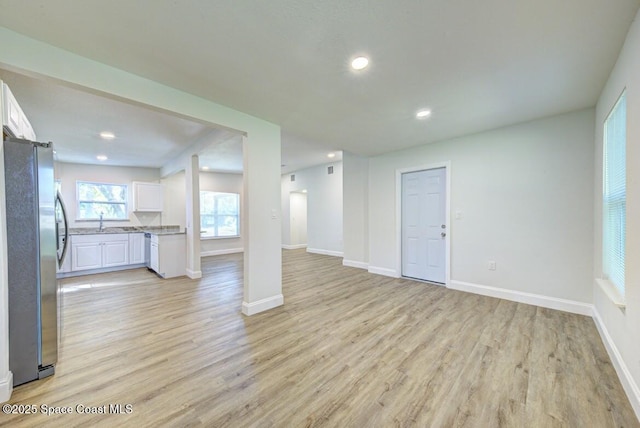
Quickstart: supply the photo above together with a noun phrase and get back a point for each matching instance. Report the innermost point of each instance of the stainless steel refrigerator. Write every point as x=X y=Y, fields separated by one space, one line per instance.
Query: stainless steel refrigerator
x=34 y=247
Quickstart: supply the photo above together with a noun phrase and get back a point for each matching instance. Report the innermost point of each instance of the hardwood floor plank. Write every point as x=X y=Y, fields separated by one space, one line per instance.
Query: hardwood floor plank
x=347 y=349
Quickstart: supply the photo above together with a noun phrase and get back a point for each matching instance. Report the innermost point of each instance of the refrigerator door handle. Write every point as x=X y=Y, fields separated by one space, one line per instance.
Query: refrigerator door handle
x=66 y=230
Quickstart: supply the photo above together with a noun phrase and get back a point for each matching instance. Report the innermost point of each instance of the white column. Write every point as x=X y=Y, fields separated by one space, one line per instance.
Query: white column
x=192 y=182
x=262 y=225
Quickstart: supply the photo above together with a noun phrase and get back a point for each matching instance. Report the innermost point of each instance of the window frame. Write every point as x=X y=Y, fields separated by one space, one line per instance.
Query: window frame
x=613 y=270
x=237 y=216
x=80 y=201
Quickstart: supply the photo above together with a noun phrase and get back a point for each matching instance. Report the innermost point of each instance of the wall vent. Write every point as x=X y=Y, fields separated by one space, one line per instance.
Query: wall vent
x=293 y=177
x=330 y=170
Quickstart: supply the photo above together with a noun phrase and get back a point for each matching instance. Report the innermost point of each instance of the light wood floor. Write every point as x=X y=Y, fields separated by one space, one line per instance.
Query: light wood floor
x=348 y=349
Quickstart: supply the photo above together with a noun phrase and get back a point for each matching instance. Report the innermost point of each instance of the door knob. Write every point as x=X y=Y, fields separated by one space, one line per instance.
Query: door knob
x=443 y=234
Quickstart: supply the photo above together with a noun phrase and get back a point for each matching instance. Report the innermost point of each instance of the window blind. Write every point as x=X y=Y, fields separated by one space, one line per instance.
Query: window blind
x=615 y=194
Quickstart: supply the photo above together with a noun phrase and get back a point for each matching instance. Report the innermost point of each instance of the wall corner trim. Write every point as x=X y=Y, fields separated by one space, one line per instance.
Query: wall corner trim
x=6 y=387
x=194 y=274
x=565 y=305
x=325 y=252
x=383 y=271
x=262 y=305
x=355 y=264
x=629 y=385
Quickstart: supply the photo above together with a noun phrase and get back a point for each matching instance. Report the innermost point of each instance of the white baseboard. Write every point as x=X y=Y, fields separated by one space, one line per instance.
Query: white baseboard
x=294 y=247
x=355 y=264
x=629 y=385
x=194 y=274
x=383 y=271
x=6 y=387
x=522 y=297
x=101 y=270
x=262 y=305
x=221 y=252
x=324 y=252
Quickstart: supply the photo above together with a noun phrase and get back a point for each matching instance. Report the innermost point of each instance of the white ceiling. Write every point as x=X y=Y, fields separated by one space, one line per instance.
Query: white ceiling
x=477 y=64
x=73 y=120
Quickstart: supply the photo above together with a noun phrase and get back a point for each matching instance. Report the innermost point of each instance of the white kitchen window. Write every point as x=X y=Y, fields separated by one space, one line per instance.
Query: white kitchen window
x=219 y=214
x=614 y=200
x=95 y=199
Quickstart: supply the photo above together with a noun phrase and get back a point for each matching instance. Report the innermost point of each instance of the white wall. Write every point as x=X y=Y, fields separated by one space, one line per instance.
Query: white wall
x=229 y=183
x=174 y=210
x=356 y=210
x=324 y=207
x=69 y=173
x=525 y=196
x=621 y=329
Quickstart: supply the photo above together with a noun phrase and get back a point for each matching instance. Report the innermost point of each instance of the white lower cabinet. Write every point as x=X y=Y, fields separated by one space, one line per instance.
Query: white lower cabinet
x=136 y=248
x=86 y=255
x=168 y=255
x=99 y=251
x=154 y=257
x=115 y=253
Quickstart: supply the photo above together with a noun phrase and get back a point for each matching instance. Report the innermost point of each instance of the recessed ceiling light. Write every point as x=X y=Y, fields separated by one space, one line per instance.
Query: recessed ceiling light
x=422 y=114
x=304 y=191
x=101 y=158
x=206 y=168
x=360 y=63
x=331 y=155
x=106 y=135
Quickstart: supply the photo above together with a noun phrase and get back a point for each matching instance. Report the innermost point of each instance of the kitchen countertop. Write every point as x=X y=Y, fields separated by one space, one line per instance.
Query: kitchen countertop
x=155 y=230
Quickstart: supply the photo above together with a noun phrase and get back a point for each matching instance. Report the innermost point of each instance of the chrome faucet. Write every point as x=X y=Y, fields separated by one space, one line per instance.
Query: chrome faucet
x=101 y=228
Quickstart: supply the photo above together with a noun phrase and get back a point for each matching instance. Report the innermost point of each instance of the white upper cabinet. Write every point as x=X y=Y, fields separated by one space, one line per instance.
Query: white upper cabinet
x=12 y=112
x=147 y=197
x=27 y=129
x=13 y=118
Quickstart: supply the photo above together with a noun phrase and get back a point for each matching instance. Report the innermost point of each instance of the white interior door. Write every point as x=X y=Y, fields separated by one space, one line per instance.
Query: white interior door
x=424 y=225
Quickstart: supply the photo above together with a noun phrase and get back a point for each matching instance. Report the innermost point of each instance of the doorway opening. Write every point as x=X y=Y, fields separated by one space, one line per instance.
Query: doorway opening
x=298 y=219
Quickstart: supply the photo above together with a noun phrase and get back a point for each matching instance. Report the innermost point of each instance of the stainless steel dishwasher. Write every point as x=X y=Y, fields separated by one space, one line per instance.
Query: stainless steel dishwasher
x=147 y=250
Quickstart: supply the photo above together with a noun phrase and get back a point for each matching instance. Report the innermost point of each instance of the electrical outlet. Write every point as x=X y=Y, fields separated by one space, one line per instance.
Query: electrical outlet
x=492 y=265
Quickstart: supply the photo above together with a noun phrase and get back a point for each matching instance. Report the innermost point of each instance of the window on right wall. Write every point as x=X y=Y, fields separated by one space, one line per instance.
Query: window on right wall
x=614 y=195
